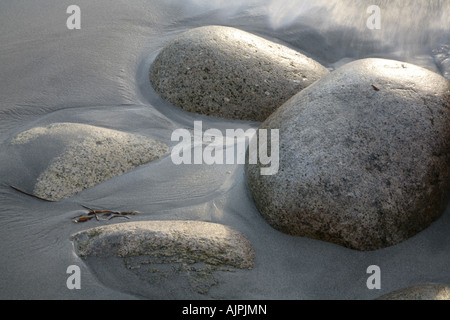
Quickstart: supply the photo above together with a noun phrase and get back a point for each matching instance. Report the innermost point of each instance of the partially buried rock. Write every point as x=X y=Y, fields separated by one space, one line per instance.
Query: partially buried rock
x=441 y=56
x=229 y=73
x=81 y=156
x=364 y=156
x=421 y=292
x=192 y=248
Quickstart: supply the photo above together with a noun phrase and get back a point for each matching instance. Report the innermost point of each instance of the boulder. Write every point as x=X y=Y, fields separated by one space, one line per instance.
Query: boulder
x=164 y=250
x=79 y=156
x=229 y=73
x=364 y=156
x=421 y=292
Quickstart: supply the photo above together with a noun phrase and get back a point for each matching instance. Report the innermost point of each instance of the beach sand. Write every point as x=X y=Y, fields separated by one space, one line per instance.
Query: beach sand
x=98 y=75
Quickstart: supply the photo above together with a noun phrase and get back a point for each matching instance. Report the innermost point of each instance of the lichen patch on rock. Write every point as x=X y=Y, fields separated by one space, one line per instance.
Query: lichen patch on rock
x=364 y=156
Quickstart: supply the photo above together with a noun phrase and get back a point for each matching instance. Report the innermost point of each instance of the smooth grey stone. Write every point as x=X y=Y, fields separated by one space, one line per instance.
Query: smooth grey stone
x=364 y=156
x=229 y=73
x=166 y=251
x=82 y=156
x=421 y=292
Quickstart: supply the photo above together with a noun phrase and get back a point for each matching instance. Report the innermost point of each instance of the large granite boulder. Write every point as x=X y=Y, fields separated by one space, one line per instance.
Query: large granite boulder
x=79 y=156
x=229 y=73
x=364 y=156
x=185 y=251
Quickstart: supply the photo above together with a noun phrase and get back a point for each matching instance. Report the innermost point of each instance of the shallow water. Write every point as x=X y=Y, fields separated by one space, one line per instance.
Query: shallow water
x=99 y=75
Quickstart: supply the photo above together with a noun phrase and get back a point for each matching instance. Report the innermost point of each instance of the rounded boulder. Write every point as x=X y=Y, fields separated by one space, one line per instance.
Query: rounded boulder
x=67 y=158
x=187 y=256
x=229 y=73
x=364 y=156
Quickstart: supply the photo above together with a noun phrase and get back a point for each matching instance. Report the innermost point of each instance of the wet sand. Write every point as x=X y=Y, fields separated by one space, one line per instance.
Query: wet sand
x=99 y=76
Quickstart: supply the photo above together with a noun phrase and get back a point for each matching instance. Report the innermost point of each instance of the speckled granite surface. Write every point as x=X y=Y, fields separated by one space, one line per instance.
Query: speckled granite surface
x=229 y=73
x=159 y=250
x=364 y=156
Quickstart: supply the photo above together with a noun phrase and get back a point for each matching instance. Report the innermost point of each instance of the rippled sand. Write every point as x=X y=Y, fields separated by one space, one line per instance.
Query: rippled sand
x=99 y=76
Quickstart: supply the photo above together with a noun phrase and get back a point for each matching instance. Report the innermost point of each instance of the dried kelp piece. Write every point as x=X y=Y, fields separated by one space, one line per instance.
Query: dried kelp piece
x=104 y=215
